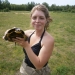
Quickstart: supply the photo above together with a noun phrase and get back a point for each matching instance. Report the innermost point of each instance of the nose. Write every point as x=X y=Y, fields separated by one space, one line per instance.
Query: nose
x=37 y=20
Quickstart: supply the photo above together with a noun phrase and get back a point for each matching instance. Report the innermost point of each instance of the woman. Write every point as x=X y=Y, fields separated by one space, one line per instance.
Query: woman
x=39 y=46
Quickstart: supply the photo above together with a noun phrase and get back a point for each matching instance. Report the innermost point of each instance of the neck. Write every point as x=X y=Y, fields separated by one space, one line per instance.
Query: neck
x=39 y=32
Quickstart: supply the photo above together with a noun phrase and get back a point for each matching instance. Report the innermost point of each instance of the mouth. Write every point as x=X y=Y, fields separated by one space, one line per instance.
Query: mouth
x=37 y=24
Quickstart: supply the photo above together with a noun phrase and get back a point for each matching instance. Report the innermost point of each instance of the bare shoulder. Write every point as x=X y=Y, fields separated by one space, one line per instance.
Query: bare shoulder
x=28 y=32
x=48 y=39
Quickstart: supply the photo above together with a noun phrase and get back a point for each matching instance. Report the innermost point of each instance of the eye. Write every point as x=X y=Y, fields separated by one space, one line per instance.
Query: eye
x=41 y=18
x=34 y=17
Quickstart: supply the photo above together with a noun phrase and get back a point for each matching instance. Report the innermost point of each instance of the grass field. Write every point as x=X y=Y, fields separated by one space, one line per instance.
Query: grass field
x=62 y=61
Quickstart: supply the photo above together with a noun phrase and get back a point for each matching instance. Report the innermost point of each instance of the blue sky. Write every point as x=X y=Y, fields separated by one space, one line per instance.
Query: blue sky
x=50 y=2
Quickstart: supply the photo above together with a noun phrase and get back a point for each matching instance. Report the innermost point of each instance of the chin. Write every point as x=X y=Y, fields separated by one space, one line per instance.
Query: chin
x=38 y=28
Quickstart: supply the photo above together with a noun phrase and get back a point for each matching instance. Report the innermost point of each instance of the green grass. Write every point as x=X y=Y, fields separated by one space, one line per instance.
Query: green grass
x=62 y=61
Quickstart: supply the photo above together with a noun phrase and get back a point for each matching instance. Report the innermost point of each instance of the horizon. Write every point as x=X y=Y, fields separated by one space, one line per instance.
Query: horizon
x=56 y=2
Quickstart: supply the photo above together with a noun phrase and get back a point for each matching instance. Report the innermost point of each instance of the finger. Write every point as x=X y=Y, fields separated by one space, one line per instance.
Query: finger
x=18 y=38
x=19 y=41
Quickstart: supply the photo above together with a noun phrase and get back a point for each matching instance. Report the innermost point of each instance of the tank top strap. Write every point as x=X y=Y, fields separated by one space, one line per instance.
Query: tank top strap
x=42 y=36
x=33 y=33
x=30 y=36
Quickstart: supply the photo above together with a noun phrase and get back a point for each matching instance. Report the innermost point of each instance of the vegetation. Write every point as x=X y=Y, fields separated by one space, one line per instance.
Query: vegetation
x=62 y=61
x=6 y=6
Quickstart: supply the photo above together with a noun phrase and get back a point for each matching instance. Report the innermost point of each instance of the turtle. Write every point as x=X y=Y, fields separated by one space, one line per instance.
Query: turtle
x=13 y=33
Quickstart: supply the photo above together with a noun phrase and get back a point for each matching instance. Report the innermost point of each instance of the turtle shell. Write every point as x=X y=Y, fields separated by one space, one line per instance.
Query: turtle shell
x=13 y=33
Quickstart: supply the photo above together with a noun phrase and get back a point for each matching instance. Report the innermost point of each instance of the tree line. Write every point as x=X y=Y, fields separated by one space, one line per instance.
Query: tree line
x=5 y=6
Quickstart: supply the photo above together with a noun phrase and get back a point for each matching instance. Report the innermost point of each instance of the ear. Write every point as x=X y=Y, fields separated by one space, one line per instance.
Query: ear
x=47 y=20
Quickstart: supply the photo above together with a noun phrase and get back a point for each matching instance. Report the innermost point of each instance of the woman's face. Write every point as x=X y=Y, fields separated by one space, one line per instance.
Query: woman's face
x=38 y=20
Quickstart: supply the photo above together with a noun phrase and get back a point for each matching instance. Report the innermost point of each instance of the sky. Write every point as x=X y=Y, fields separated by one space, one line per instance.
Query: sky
x=50 y=2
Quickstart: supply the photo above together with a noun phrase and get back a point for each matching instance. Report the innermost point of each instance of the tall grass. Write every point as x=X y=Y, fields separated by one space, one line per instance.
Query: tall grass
x=62 y=61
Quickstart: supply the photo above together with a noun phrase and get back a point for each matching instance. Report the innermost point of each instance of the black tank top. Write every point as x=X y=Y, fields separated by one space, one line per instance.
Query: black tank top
x=36 y=49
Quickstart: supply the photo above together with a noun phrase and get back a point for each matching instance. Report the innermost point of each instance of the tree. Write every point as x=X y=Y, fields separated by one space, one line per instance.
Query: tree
x=46 y=4
x=53 y=7
x=0 y=4
x=6 y=4
x=30 y=6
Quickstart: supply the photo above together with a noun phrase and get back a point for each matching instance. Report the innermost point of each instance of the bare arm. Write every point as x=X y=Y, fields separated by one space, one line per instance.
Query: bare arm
x=44 y=55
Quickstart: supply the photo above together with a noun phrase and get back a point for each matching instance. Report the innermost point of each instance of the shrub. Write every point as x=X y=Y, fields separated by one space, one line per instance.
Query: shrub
x=6 y=10
x=73 y=11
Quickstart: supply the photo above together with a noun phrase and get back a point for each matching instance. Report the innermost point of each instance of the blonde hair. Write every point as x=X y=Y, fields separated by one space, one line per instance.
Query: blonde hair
x=45 y=11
